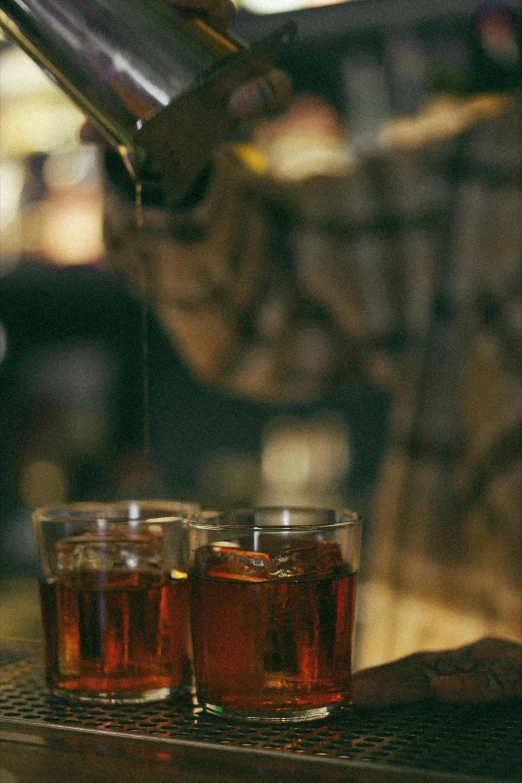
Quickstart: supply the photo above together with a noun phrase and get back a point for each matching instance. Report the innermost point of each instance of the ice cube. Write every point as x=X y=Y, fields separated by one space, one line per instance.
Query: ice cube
x=311 y=559
x=229 y=562
x=107 y=553
x=287 y=559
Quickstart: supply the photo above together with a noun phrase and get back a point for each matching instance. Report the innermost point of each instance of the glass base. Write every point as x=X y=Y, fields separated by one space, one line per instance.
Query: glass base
x=275 y=716
x=157 y=694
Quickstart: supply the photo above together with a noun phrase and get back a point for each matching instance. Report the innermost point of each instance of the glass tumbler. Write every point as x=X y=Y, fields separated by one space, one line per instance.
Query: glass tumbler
x=272 y=595
x=114 y=599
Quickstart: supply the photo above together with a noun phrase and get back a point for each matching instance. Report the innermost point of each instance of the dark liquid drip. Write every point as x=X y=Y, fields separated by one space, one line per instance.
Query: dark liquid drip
x=145 y=345
x=146 y=298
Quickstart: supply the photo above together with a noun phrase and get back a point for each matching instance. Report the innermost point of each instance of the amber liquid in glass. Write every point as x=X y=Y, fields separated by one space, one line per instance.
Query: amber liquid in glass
x=122 y=634
x=275 y=644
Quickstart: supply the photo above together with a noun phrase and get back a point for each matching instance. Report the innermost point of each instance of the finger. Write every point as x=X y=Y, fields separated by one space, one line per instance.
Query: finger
x=400 y=681
x=487 y=670
x=220 y=12
x=469 y=688
x=499 y=648
x=89 y=134
x=490 y=669
x=261 y=96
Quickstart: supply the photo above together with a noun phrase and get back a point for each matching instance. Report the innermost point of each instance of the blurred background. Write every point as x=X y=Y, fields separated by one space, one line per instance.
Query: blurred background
x=71 y=335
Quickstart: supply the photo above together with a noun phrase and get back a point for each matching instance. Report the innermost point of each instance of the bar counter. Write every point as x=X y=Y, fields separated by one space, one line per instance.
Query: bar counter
x=46 y=740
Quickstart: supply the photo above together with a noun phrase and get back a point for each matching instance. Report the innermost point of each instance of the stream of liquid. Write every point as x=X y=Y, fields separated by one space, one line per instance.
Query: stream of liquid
x=146 y=295
x=146 y=298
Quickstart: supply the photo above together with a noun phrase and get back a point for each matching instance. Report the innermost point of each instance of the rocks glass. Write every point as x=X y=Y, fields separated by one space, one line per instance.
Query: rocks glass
x=272 y=610
x=114 y=599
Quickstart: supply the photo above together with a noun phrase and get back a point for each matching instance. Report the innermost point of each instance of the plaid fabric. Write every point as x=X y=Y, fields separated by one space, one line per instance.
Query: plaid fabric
x=405 y=270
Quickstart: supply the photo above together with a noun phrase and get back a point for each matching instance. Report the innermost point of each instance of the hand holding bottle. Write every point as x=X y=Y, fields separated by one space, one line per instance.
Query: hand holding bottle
x=266 y=93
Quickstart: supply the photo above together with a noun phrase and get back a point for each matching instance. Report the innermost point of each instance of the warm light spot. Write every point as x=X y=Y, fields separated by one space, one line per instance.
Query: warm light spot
x=43 y=482
x=37 y=125
x=11 y=242
x=286 y=459
x=307 y=140
x=175 y=574
x=300 y=157
x=305 y=453
x=443 y=117
x=11 y=184
x=72 y=229
x=68 y=168
x=252 y=157
x=19 y=76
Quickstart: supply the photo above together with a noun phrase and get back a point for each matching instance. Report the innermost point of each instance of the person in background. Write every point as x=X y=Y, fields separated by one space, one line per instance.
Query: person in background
x=401 y=265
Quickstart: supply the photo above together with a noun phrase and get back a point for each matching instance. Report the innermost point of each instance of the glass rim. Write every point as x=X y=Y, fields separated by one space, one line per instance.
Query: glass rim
x=93 y=511
x=206 y=520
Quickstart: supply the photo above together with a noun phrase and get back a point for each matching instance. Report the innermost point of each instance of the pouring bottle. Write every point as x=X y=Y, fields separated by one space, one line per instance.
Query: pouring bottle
x=154 y=79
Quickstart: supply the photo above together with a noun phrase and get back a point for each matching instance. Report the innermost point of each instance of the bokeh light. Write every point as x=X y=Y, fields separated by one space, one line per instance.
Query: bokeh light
x=43 y=482
x=71 y=231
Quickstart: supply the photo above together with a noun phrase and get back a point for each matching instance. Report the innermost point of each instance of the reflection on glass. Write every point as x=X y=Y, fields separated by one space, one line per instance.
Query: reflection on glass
x=277 y=6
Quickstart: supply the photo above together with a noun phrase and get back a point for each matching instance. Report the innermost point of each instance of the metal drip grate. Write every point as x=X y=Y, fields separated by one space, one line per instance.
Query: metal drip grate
x=482 y=742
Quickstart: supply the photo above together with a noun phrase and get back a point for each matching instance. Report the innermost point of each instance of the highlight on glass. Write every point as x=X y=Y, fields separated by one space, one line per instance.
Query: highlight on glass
x=114 y=599
x=273 y=611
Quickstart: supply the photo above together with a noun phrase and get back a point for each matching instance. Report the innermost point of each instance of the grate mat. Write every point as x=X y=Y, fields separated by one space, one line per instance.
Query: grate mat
x=480 y=741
